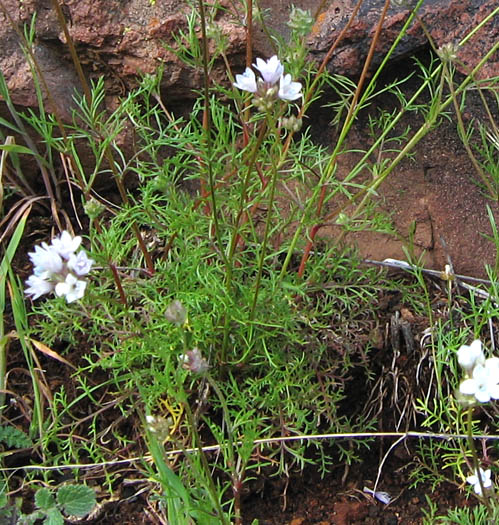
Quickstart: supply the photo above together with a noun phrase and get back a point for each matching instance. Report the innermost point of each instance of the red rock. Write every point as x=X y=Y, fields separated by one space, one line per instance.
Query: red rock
x=446 y=21
x=349 y=512
x=122 y=39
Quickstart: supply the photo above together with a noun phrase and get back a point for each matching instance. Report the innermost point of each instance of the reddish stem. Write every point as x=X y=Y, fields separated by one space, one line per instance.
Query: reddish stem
x=308 y=249
x=318 y=226
x=117 y=280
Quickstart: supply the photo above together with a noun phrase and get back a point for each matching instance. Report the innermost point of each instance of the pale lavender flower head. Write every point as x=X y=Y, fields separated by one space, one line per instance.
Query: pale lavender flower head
x=266 y=88
x=80 y=264
x=46 y=261
x=57 y=268
x=246 y=81
x=470 y=355
x=72 y=288
x=176 y=313
x=271 y=69
x=65 y=245
x=194 y=361
x=484 y=381
x=486 y=481
x=289 y=90
x=38 y=286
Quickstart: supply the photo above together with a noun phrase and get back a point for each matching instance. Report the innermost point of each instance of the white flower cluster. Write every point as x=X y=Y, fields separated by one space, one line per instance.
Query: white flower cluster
x=271 y=71
x=482 y=375
x=58 y=268
x=486 y=481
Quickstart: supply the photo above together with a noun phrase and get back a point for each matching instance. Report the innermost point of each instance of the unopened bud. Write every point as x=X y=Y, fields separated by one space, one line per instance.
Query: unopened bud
x=263 y=104
x=159 y=426
x=193 y=361
x=93 y=208
x=292 y=123
x=176 y=313
x=300 y=21
x=342 y=219
x=448 y=52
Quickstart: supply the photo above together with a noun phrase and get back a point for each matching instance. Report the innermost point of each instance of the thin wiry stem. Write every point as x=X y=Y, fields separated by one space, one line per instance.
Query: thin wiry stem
x=267 y=441
x=352 y=110
x=207 y=128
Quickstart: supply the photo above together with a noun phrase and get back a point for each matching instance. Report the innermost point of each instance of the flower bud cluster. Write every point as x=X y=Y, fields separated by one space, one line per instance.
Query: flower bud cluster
x=58 y=268
x=300 y=21
x=265 y=88
x=291 y=123
x=93 y=208
x=159 y=426
x=482 y=375
x=448 y=52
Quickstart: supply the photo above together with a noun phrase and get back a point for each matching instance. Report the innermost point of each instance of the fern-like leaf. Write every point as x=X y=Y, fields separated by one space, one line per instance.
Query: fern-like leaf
x=14 y=438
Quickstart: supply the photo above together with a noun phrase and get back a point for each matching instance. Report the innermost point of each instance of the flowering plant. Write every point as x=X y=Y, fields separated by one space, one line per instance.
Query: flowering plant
x=58 y=268
x=272 y=72
x=482 y=375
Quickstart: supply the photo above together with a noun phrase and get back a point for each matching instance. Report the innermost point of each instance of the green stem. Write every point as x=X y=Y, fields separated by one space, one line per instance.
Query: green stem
x=235 y=234
x=125 y=200
x=233 y=466
x=329 y=170
x=207 y=127
x=268 y=220
x=462 y=132
x=212 y=491
x=243 y=198
x=225 y=410
x=426 y=127
x=476 y=462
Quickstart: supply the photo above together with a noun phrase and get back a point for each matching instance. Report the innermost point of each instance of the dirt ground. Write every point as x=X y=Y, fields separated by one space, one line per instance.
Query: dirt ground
x=310 y=500
x=435 y=194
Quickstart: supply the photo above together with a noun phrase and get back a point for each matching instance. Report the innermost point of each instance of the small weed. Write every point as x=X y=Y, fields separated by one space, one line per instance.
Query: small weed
x=69 y=500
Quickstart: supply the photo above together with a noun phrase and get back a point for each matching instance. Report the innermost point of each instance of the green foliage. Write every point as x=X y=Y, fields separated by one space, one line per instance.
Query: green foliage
x=69 y=500
x=478 y=515
x=44 y=499
x=14 y=438
x=76 y=500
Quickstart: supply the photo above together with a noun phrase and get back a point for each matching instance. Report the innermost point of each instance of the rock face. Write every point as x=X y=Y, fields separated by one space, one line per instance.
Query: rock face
x=445 y=21
x=119 y=39
x=59 y=77
x=122 y=38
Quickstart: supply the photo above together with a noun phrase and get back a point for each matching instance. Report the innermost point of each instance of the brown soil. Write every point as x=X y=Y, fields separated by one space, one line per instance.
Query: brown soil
x=312 y=500
x=438 y=207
